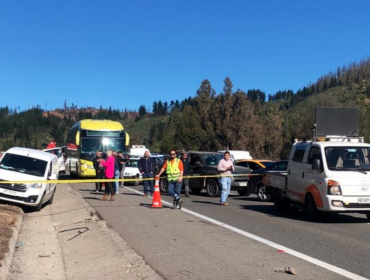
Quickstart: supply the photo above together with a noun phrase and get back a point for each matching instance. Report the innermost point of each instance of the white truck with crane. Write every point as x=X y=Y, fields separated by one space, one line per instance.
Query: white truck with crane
x=331 y=173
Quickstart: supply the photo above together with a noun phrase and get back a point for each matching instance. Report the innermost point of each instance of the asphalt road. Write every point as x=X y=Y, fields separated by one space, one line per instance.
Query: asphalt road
x=341 y=240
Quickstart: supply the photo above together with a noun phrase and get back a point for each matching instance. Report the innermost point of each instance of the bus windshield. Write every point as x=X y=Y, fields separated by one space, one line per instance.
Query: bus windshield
x=348 y=158
x=89 y=146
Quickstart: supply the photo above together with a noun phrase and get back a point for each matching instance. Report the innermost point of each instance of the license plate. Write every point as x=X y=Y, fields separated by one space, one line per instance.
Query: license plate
x=243 y=184
x=364 y=200
x=10 y=192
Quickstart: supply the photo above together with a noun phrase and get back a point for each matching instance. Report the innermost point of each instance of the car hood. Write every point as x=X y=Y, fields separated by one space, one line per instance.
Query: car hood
x=132 y=169
x=7 y=175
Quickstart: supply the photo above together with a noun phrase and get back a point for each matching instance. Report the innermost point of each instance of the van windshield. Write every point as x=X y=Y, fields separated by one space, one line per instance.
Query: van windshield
x=348 y=158
x=23 y=164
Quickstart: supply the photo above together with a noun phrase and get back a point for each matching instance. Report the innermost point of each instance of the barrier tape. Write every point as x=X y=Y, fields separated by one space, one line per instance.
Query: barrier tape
x=120 y=180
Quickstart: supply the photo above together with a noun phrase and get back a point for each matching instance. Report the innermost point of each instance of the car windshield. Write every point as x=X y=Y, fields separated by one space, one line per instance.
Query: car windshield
x=348 y=158
x=89 y=146
x=23 y=164
x=212 y=159
x=56 y=152
x=132 y=163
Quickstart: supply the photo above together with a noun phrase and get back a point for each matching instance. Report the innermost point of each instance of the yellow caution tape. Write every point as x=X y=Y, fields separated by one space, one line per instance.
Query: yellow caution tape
x=117 y=180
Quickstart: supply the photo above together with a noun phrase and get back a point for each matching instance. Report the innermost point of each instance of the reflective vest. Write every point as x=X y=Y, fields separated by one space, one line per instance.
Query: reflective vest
x=173 y=171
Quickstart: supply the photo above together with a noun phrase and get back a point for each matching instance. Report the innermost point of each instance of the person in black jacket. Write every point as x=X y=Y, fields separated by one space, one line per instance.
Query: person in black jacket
x=186 y=164
x=147 y=169
x=99 y=170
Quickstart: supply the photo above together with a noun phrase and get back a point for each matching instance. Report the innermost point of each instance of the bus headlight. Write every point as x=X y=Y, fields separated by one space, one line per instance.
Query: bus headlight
x=87 y=166
x=334 y=188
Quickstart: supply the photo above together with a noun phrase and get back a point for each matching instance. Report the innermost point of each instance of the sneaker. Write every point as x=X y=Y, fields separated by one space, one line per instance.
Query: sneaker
x=174 y=204
x=179 y=203
x=224 y=203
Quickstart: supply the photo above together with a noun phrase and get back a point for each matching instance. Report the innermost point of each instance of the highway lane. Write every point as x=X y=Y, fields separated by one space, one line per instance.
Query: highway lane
x=340 y=240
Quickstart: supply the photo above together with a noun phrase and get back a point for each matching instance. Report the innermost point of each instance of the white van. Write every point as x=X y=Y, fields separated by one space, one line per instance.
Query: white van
x=238 y=155
x=61 y=160
x=23 y=164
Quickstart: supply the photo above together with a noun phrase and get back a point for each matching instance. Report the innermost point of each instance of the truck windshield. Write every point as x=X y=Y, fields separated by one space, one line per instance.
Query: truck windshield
x=23 y=164
x=89 y=146
x=348 y=158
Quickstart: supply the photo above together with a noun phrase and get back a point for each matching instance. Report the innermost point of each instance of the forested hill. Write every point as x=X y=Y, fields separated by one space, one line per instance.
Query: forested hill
x=231 y=119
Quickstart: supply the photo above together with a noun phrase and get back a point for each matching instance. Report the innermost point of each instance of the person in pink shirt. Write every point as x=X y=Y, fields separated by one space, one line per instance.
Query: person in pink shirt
x=225 y=167
x=109 y=174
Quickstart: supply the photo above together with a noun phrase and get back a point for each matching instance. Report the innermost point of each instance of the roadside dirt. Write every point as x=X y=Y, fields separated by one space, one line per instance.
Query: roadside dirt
x=8 y=218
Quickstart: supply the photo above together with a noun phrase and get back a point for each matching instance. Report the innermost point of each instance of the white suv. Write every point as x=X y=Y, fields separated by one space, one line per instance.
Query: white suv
x=23 y=164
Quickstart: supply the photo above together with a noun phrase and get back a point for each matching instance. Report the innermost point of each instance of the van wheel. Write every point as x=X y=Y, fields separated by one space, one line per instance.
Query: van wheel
x=244 y=192
x=280 y=203
x=262 y=193
x=39 y=206
x=52 y=197
x=164 y=185
x=212 y=188
x=136 y=182
x=310 y=208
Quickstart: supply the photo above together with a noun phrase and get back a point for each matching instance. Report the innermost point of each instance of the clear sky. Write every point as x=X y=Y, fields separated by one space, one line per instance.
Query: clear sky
x=127 y=53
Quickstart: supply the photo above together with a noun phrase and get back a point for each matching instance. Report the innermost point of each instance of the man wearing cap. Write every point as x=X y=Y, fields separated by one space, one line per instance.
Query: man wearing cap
x=99 y=170
x=174 y=170
x=186 y=165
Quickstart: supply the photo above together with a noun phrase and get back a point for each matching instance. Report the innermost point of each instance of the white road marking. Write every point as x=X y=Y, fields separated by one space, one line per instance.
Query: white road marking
x=292 y=252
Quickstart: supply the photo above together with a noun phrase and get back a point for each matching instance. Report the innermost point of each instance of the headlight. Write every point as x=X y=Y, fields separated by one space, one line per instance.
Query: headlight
x=334 y=188
x=36 y=186
x=87 y=166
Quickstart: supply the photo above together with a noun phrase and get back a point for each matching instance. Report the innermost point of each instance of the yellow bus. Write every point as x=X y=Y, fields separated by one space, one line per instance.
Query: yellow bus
x=87 y=137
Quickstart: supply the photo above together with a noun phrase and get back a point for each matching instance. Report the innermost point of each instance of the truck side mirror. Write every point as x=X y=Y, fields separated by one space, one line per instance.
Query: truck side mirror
x=316 y=164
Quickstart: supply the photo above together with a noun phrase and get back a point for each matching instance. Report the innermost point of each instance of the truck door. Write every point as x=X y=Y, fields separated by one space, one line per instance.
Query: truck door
x=196 y=169
x=296 y=173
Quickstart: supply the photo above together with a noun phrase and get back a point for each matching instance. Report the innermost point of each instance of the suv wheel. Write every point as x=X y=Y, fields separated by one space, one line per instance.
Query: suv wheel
x=262 y=193
x=163 y=184
x=212 y=188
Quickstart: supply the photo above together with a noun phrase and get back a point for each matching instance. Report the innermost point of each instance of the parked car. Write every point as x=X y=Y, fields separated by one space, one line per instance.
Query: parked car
x=254 y=164
x=61 y=159
x=205 y=163
x=23 y=164
x=255 y=183
x=132 y=170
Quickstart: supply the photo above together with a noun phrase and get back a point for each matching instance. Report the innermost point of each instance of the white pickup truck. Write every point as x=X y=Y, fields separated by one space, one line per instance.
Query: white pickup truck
x=328 y=175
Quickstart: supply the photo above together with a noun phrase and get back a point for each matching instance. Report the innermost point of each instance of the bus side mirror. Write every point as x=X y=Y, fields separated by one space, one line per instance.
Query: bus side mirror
x=316 y=164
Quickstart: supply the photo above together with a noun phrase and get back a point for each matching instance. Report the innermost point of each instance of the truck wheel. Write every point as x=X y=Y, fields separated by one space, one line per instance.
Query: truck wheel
x=244 y=192
x=39 y=206
x=280 y=203
x=262 y=193
x=196 y=191
x=52 y=197
x=310 y=208
x=163 y=185
x=212 y=188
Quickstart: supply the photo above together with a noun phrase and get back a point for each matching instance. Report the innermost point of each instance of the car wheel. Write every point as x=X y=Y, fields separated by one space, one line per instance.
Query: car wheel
x=52 y=197
x=310 y=208
x=244 y=192
x=262 y=193
x=212 y=188
x=163 y=184
x=39 y=206
x=196 y=191
x=136 y=182
x=280 y=203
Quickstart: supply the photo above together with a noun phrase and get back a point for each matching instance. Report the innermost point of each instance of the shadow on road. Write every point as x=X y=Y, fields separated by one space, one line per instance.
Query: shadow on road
x=206 y=202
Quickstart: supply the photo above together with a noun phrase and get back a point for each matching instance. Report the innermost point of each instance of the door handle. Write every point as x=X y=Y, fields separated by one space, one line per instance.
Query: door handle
x=302 y=174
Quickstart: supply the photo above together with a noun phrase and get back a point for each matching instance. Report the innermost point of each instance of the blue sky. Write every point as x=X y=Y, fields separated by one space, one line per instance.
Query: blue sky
x=127 y=53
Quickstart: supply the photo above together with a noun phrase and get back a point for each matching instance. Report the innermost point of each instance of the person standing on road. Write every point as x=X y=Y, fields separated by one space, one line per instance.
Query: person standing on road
x=147 y=169
x=122 y=160
x=109 y=174
x=225 y=166
x=99 y=170
x=174 y=170
x=186 y=165
x=116 y=171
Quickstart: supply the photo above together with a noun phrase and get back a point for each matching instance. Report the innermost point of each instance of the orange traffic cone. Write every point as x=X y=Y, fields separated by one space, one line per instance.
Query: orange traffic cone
x=157 y=203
